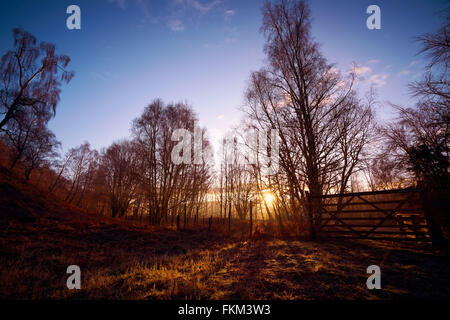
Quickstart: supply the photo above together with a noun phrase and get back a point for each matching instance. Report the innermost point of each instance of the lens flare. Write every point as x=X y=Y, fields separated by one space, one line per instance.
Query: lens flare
x=269 y=197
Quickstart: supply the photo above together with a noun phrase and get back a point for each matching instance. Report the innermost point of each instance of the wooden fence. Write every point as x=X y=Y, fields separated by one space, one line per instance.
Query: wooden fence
x=384 y=215
x=401 y=214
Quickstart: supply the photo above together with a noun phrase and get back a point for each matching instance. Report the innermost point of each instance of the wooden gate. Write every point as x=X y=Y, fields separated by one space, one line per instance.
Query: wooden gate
x=383 y=215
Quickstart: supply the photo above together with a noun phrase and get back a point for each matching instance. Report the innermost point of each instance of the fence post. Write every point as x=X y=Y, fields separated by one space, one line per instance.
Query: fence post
x=209 y=223
x=196 y=216
x=251 y=220
x=437 y=238
x=310 y=206
x=184 y=224
x=229 y=218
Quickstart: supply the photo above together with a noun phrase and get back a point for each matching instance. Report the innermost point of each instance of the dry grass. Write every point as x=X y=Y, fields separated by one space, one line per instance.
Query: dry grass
x=163 y=264
x=40 y=238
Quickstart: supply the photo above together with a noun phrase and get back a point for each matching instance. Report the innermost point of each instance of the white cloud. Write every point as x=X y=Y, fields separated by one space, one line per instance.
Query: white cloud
x=185 y=11
x=228 y=13
x=198 y=5
x=334 y=70
x=373 y=61
x=403 y=73
x=378 y=79
x=358 y=70
x=175 y=25
x=414 y=62
x=220 y=117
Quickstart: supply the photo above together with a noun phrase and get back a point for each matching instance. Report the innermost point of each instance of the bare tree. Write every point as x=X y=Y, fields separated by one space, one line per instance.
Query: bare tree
x=355 y=130
x=80 y=170
x=310 y=102
x=239 y=188
x=419 y=143
x=40 y=150
x=419 y=138
x=18 y=133
x=60 y=164
x=434 y=87
x=168 y=186
x=31 y=76
x=30 y=141
x=120 y=163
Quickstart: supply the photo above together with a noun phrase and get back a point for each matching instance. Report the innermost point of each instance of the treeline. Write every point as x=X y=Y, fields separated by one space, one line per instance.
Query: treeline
x=134 y=176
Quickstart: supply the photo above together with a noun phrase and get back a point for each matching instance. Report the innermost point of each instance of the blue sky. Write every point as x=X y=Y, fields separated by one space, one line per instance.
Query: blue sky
x=129 y=52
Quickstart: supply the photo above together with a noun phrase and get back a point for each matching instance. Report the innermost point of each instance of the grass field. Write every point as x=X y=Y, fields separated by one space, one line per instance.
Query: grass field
x=40 y=237
x=124 y=262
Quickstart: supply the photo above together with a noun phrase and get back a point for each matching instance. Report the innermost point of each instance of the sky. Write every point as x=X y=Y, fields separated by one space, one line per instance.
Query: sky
x=130 y=52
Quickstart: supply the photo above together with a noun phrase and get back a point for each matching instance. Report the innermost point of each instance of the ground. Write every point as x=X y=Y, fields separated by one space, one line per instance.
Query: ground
x=119 y=262
x=40 y=238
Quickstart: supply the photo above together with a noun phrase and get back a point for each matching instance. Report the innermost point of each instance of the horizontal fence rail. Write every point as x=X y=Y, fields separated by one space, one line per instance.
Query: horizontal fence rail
x=383 y=215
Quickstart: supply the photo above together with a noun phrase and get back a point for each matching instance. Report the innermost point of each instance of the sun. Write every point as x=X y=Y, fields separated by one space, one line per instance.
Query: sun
x=268 y=196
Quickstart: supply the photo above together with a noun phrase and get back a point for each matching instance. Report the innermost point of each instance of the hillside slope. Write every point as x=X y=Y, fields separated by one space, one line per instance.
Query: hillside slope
x=41 y=235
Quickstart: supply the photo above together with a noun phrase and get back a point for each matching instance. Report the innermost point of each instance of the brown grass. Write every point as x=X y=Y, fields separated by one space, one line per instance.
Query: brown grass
x=41 y=236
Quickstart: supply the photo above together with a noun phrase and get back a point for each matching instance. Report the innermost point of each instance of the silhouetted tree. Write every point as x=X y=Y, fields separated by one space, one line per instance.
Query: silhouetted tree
x=31 y=76
x=434 y=87
x=40 y=149
x=419 y=139
x=80 y=170
x=120 y=163
x=430 y=166
x=30 y=141
x=167 y=186
x=310 y=102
